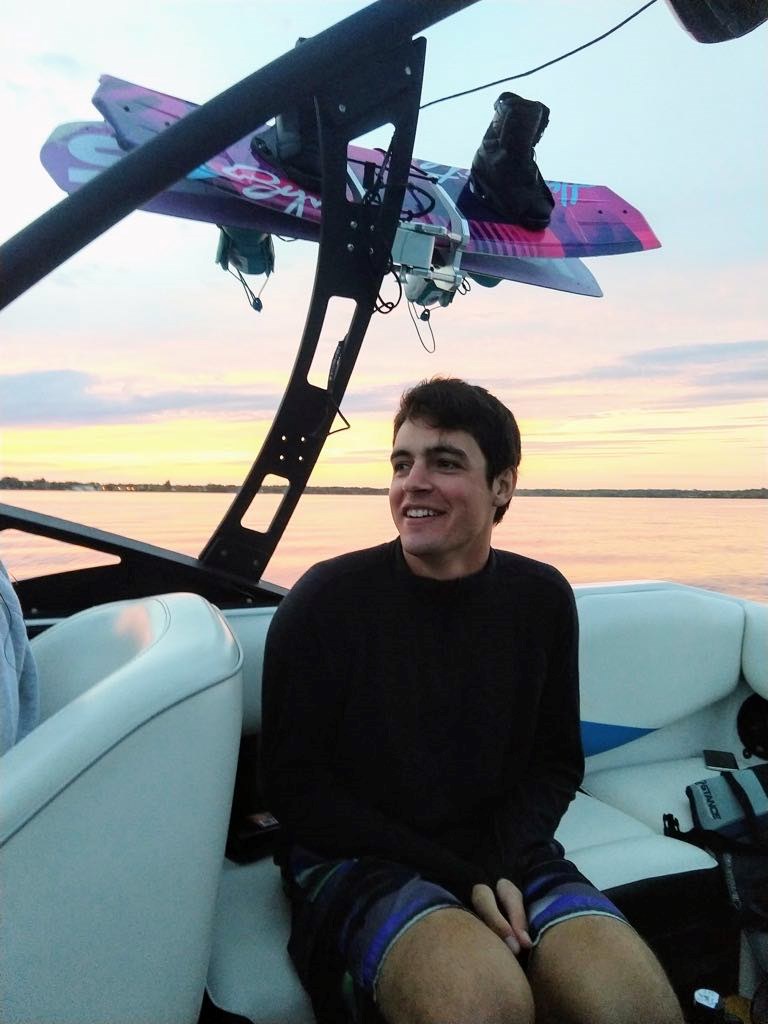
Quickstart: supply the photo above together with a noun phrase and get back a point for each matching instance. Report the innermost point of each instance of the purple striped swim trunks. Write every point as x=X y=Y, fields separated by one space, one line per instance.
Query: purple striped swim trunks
x=346 y=915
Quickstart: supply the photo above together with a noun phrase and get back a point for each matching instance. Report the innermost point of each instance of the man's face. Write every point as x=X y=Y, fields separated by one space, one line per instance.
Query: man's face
x=440 y=499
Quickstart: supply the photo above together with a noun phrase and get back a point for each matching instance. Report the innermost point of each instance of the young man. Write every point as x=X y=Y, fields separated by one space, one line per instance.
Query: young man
x=421 y=743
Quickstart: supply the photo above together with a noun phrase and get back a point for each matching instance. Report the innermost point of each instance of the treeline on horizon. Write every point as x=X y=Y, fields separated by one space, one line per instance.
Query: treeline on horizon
x=12 y=483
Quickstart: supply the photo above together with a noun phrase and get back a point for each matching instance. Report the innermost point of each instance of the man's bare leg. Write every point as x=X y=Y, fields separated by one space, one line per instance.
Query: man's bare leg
x=597 y=970
x=450 y=968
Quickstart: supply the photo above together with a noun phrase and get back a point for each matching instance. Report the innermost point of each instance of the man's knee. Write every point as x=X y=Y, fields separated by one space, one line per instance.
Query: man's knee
x=449 y=967
x=599 y=970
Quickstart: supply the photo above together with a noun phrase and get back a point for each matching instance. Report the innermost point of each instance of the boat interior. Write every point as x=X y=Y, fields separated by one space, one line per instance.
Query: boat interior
x=149 y=735
x=137 y=880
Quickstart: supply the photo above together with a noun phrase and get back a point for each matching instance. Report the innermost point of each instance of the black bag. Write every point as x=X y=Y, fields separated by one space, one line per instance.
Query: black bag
x=733 y=805
x=730 y=815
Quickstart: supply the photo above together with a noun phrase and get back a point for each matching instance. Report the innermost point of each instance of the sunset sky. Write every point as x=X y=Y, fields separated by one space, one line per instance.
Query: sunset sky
x=139 y=360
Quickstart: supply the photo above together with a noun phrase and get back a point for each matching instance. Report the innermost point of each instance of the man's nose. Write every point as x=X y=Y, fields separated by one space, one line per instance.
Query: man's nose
x=418 y=478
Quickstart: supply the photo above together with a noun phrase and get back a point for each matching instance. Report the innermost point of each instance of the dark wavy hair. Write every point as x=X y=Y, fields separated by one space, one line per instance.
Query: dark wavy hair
x=453 y=404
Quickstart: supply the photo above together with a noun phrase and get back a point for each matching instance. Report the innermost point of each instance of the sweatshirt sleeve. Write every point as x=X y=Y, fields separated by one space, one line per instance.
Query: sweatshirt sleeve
x=527 y=818
x=302 y=701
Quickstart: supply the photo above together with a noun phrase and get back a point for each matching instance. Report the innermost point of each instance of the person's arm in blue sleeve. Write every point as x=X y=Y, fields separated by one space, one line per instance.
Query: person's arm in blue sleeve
x=19 y=693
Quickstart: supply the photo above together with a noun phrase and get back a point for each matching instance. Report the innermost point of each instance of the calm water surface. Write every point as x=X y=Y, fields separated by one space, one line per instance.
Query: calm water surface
x=707 y=542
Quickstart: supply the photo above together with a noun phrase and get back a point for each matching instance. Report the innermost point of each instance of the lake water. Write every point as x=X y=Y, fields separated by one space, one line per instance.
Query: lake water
x=708 y=542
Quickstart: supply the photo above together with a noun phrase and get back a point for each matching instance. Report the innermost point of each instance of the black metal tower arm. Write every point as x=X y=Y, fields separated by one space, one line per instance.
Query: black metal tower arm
x=355 y=243
x=329 y=56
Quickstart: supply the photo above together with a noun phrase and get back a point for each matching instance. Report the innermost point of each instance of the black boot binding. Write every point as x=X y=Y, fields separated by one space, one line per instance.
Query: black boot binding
x=293 y=145
x=504 y=171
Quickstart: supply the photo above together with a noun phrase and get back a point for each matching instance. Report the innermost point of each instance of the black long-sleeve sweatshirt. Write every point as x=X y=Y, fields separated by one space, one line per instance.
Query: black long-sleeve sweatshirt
x=430 y=722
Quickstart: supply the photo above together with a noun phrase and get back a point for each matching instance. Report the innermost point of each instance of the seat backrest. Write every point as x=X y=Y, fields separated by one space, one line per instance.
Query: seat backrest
x=250 y=626
x=652 y=653
x=114 y=815
x=755 y=658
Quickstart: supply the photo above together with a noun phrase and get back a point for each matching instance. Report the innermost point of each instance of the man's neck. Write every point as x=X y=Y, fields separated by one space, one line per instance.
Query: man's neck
x=445 y=567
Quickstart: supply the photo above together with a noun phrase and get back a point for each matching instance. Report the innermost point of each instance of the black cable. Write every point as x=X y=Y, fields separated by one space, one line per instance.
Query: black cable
x=254 y=301
x=372 y=194
x=347 y=424
x=424 y=319
x=379 y=185
x=383 y=305
x=414 y=172
x=422 y=210
x=541 y=67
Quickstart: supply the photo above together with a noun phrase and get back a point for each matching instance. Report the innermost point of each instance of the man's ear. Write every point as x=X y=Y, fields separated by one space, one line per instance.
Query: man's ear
x=504 y=486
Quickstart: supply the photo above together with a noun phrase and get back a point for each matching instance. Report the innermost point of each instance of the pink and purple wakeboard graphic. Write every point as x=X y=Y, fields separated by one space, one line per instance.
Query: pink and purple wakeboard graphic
x=75 y=153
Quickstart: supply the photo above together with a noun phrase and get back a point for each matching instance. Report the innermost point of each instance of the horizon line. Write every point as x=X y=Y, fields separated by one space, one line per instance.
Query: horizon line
x=41 y=484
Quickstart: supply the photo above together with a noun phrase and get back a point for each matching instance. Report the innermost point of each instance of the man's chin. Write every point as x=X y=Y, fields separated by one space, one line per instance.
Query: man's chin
x=416 y=543
x=414 y=548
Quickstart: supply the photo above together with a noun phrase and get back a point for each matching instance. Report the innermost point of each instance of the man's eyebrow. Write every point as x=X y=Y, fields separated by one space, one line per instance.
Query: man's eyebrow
x=435 y=449
x=447 y=449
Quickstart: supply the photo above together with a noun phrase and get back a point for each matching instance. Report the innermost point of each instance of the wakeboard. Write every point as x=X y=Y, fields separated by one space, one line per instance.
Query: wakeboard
x=75 y=153
x=588 y=220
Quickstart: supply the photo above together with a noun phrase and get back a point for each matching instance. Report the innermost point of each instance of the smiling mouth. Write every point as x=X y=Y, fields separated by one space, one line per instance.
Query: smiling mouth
x=421 y=513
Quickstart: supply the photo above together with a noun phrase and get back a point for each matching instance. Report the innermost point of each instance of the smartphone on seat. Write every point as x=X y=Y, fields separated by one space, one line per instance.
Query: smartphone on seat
x=720 y=760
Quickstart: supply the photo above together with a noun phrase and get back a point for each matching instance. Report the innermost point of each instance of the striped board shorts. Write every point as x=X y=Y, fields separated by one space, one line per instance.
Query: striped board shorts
x=346 y=915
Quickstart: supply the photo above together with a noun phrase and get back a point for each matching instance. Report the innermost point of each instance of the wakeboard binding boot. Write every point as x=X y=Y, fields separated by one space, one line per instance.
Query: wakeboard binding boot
x=293 y=145
x=504 y=172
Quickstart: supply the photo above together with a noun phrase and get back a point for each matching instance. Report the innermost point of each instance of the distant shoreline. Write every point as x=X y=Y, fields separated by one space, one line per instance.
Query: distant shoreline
x=14 y=484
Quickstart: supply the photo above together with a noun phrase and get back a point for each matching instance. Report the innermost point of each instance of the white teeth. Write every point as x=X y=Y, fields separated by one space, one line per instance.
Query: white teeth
x=419 y=513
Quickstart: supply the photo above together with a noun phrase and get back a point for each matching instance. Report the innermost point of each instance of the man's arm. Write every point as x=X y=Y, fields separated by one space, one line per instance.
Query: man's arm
x=535 y=802
x=526 y=819
x=303 y=699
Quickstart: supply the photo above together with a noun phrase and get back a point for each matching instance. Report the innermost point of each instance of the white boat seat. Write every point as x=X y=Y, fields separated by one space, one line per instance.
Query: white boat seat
x=651 y=656
x=250 y=973
x=649 y=791
x=614 y=849
x=754 y=660
x=114 y=816
x=664 y=669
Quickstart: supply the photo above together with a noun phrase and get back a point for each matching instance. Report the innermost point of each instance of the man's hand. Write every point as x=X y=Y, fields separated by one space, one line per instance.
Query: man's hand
x=503 y=912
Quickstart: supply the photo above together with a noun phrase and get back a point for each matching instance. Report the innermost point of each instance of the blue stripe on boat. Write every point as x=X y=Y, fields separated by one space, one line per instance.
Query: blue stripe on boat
x=600 y=736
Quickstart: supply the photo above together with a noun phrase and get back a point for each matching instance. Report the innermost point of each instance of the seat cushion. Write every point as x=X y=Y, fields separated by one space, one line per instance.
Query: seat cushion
x=649 y=791
x=613 y=848
x=590 y=822
x=250 y=972
x=609 y=865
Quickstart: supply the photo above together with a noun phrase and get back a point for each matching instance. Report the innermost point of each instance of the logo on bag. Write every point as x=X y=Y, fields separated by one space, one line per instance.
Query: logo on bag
x=709 y=800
